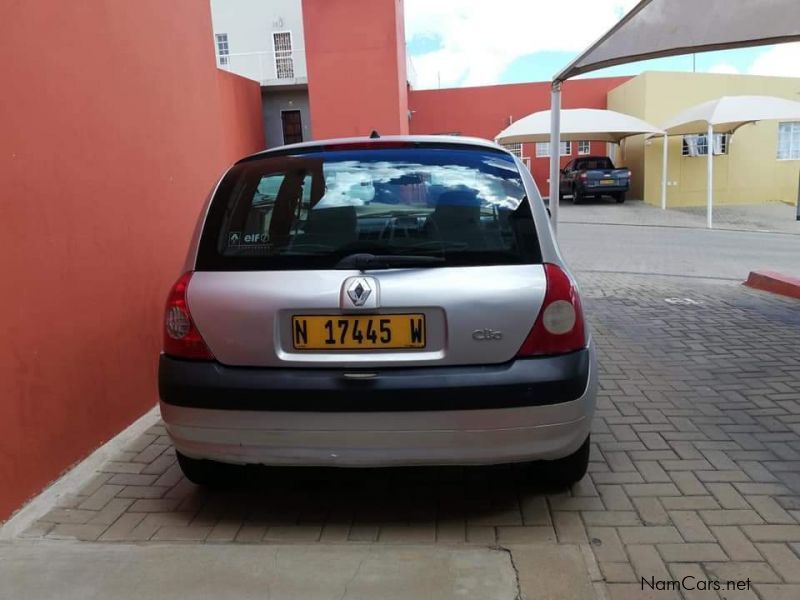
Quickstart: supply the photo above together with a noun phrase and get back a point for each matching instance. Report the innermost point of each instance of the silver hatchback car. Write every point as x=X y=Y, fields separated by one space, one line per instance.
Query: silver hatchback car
x=377 y=302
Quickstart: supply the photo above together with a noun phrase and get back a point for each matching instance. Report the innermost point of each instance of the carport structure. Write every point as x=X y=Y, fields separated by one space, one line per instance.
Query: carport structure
x=659 y=28
x=587 y=124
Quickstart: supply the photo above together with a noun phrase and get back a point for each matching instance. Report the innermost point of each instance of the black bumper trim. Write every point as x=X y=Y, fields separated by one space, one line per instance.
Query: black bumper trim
x=522 y=382
x=601 y=189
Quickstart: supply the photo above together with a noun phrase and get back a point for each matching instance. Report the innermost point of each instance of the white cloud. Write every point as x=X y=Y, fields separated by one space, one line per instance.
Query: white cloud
x=481 y=38
x=724 y=68
x=781 y=61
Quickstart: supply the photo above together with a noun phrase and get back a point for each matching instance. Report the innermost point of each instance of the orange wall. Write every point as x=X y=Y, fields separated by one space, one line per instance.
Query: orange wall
x=355 y=54
x=485 y=111
x=115 y=123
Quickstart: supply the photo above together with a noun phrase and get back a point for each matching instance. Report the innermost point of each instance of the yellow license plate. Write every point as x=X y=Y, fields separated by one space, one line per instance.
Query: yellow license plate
x=607 y=182
x=358 y=332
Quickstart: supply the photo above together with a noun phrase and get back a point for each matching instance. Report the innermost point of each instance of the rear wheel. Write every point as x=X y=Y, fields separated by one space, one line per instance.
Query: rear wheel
x=619 y=197
x=563 y=472
x=207 y=472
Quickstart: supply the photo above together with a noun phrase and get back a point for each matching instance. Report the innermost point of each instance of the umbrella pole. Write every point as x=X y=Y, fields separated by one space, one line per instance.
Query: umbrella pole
x=555 y=152
x=664 y=173
x=710 y=176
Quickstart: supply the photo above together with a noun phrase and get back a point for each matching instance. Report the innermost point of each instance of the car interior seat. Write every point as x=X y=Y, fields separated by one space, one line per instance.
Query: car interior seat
x=457 y=218
x=334 y=227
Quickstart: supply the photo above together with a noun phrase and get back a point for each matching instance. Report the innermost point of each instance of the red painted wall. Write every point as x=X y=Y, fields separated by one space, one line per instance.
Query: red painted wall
x=485 y=111
x=115 y=123
x=355 y=54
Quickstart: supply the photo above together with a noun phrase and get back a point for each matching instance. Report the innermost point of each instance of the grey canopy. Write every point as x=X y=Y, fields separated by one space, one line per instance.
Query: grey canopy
x=658 y=28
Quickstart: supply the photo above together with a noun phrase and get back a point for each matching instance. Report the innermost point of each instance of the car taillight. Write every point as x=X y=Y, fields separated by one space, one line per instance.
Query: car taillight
x=628 y=174
x=181 y=337
x=584 y=176
x=559 y=327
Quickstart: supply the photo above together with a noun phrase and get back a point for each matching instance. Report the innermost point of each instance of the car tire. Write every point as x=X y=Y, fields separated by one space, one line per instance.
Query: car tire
x=619 y=197
x=566 y=471
x=207 y=473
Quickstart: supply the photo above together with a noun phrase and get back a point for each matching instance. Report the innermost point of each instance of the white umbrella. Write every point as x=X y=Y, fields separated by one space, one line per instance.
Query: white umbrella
x=576 y=124
x=724 y=115
x=728 y=113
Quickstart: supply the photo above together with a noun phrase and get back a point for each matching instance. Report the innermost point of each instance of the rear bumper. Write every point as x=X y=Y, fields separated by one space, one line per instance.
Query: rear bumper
x=522 y=382
x=603 y=189
x=387 y=437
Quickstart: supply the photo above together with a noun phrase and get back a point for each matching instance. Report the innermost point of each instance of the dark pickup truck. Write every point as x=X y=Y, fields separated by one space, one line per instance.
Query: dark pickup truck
x=594 y=176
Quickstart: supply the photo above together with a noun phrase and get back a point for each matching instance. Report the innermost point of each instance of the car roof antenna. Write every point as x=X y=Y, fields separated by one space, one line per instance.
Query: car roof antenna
x=374 y=135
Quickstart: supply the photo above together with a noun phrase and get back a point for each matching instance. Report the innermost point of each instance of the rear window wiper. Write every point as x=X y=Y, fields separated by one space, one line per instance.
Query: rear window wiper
x=365 y=261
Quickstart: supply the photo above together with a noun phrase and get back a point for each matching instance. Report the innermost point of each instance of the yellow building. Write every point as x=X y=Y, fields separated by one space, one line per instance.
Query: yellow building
x=748 y=166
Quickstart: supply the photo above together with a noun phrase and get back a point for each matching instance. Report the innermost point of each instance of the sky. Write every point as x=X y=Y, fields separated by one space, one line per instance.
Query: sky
x=456 y=43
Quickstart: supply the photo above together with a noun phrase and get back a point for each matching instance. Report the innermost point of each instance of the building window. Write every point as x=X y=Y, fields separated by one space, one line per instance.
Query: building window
x=284 y=63
x=515 y=149
x=584 y=147
x=543 y=149
x=789 y=141
x=292 y=126
x=222 y=49
x=697 y=145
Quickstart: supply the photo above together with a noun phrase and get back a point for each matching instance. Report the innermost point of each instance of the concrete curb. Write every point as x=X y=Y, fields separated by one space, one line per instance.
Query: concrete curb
x=76 y=571
x=72 y=480
x=671 y=226
x=777 y=283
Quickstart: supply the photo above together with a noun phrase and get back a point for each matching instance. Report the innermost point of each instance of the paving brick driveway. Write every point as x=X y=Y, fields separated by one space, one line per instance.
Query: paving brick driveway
x=695 y=465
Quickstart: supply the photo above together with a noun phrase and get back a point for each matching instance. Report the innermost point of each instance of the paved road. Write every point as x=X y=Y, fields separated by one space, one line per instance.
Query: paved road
x=678 y=251
x=695 y=461
x=694 y=465
x=771 y=216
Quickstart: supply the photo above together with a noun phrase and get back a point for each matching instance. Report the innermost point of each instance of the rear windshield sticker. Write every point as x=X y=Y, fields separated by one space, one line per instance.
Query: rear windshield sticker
x=236 y=238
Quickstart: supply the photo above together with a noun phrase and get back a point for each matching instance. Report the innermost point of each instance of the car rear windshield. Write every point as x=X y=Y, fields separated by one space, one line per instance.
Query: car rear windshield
x=594 y=163
x=466 y=207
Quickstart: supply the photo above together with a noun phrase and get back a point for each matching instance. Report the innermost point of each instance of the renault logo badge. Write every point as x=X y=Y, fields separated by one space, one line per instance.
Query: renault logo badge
x=358 y=291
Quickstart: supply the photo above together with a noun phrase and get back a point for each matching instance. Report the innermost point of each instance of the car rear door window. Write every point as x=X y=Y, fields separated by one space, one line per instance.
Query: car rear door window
x=309 y=210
